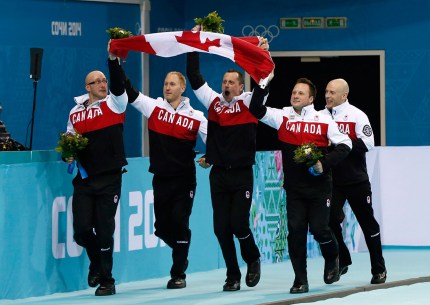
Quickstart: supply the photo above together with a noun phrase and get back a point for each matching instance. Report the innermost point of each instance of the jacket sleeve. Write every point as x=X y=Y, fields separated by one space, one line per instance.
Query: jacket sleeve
x=339 y=153
x=256 y=106
x=342 y=146
x=117 y=77
x=132 y=92
x=358 y=147
x=193 y=70
x=203 y=129
x=117 y=100
x=365 y=138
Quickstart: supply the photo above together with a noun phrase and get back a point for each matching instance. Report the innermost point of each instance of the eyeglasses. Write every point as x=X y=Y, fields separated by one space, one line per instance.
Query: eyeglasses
x=98 y=81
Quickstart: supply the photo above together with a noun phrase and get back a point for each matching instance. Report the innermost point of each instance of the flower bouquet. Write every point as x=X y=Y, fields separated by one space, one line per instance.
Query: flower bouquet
x=211 y=23
x=69 y=145
x=118 y=33
x=308 y=154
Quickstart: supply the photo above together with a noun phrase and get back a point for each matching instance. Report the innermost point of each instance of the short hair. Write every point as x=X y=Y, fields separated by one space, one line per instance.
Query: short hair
x=240 y=75
x=312 y=87
x=181 y=77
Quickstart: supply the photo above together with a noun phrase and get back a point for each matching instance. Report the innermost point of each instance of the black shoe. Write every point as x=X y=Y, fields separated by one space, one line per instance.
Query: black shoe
x=299 y=288
x=379 y=278
x=343 y=270
x=105 y=289
x=253 y=274
x=331 y=271
x=93 y=279
x=231 y=286
x=176 y=283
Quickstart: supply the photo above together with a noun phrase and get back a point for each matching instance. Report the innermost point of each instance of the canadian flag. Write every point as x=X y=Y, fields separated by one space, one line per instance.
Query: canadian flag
x=244 y=51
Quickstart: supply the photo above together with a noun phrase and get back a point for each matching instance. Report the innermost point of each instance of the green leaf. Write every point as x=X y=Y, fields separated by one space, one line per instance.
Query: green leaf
x=211 y=23
x=307 y=153
x=70 y=143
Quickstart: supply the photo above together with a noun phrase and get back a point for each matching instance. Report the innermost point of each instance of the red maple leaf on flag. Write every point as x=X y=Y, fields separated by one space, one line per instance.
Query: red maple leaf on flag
x=193 y=40
x=244 y=51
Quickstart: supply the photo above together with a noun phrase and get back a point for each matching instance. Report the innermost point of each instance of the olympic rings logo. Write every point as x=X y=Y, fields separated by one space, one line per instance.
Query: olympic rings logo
x=137 y=29
x=260 y=30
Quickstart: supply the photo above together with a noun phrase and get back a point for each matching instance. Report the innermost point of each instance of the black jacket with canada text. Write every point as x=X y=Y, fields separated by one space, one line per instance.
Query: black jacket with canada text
x=172 y=133
x=294 y=130
x=231 y=141
x=102 y=123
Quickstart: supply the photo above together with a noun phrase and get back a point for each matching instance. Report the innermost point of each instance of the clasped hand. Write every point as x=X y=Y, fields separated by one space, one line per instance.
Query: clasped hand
x=202 y=162
x=316 y=169
x=69 y=160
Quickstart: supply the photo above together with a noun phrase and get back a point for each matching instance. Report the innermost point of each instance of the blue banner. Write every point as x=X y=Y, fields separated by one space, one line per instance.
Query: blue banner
x=39 y=256
x=37 y=234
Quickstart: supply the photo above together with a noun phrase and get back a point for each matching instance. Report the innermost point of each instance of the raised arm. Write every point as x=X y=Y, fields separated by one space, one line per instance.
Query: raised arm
x=256 y=106
x=193 y=70
x=136 y=98
x=132 y=92
x=118 y=100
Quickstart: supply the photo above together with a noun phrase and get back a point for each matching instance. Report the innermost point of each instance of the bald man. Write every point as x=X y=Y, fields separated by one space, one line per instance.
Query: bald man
x=99 y=116
x=351 y=181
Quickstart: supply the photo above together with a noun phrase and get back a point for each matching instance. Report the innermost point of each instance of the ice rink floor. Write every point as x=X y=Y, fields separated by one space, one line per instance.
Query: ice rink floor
x=408 y=283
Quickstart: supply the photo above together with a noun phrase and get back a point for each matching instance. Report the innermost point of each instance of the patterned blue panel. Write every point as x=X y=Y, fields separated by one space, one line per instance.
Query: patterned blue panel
x=268 y=212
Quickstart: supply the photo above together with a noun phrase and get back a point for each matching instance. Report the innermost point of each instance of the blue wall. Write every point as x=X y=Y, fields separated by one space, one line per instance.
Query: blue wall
x=68 y=57
x=401 y=29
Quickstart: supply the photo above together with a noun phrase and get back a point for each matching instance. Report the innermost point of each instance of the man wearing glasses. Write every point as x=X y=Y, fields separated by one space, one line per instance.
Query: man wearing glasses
x=99 y=116
x=98 y=82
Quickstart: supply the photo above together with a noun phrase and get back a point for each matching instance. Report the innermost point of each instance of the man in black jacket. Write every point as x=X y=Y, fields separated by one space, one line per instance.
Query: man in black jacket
x=173 y=127
x=230 y=149
x=351 y=181
x=99 y=116
x=308 y=189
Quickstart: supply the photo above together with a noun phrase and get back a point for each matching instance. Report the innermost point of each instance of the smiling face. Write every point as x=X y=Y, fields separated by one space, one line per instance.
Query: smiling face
x=301 y=97
x=336 y=93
